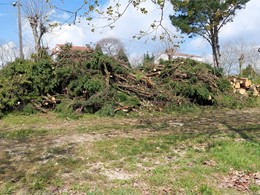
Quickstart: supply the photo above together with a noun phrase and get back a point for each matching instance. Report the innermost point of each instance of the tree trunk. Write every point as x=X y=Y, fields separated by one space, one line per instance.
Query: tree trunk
x=215 y=47
x=35 y=36
x=37 y=33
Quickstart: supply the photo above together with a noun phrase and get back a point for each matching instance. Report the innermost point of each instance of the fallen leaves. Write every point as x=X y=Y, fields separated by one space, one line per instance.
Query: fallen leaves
x=240 y=180
x=210 y=163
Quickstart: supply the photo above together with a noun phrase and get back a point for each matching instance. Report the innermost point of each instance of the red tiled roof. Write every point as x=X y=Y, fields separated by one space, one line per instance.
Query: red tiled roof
x=76 y=48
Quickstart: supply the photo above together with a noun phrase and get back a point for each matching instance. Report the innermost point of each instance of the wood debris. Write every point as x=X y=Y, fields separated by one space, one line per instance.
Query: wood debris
x=244 y=86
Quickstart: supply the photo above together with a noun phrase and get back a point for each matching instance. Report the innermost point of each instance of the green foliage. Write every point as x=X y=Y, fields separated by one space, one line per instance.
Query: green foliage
x=86 y=86
x=44 y=77
x=65 y=110
x=96 y=102
x=22 y=81
x=80 y=76
x=234 y=101
x=186 y=107
x=29 y=109
x=107 y=110
x=41 y=54
x=122 y=56
x=198 y=82
x=89 y=82
x=224 y=85
x=148 y=58
x=189 y=83
x=98 y=49
x=197 y=17
x=127 y=100
x=205 y=18
x=198 y=93
x=249 y=72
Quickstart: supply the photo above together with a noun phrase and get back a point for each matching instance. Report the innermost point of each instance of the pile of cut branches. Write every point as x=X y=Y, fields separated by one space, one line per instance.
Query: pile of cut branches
x=98 y=83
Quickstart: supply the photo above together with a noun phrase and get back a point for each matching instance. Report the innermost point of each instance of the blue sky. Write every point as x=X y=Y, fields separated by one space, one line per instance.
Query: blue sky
x=245 y=26
x=8 y=21
x=8 y=17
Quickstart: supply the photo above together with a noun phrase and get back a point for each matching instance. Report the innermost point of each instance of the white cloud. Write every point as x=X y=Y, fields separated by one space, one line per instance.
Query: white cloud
x=8 y=53
x=125 y=28
x=245 y=25
x=198 y=46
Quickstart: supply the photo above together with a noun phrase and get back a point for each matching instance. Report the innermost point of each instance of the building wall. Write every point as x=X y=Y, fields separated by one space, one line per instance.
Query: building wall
x=165 y=57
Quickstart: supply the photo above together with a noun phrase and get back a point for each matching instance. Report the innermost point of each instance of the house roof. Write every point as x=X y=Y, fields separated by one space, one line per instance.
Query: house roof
x=173 y=54
x=186 y=55
x=74 y=48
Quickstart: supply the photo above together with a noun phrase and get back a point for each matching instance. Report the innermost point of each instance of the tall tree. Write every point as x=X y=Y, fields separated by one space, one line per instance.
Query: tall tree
x=37 y=12
x=205 y=18
x=111 y=46
x=232 y=52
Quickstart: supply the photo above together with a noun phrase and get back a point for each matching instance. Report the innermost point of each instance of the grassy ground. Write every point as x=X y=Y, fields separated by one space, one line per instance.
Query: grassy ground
x=207 y=152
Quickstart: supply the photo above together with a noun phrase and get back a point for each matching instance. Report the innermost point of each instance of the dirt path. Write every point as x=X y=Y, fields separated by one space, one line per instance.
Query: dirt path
x=207 y=122
x=109 y=128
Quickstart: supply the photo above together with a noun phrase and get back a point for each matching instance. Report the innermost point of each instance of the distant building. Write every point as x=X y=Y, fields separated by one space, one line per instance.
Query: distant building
x=58 y=48
x=171 y=54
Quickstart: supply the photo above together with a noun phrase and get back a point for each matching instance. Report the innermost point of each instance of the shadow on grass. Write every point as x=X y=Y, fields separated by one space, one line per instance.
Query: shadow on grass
x=248 y=133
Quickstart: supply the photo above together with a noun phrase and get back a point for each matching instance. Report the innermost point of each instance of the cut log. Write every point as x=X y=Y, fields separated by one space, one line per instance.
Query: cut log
x=37 y=105
x=242 y=91
x=124 y=109
x=232 y=79
x=143 y=79
x=237 y=85
x=246 y=82
x=120 y=78
x=137 y=91
x=255 y=93
x=154 y=74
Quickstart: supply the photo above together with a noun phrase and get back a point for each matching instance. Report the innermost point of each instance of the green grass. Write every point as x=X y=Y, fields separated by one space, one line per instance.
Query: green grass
x=128 y=155
x=20 y=119
x=191 y=173
x=22 y=134
x=240 y=156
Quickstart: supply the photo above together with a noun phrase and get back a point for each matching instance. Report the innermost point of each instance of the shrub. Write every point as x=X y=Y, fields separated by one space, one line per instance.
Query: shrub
x=29 y=109
x=107 y=110
x=127 y=100
x=65 y=110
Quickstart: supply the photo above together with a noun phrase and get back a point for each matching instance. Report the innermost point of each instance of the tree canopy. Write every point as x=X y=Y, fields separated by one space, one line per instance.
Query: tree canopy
x=205 y=18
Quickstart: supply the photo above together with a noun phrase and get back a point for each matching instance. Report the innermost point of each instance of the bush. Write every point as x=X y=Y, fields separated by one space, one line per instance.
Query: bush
x=127 y=100
x=107 y=110
x=90 y=82
x=29 y=109
x=65 y=110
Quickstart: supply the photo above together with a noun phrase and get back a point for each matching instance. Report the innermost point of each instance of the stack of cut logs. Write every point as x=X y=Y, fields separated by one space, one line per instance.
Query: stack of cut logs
x=244 y=85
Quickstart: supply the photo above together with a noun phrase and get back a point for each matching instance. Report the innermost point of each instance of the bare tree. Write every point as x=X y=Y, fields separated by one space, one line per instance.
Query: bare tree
x=8 y=53
x=111 y=46
x=37 y=12
x=229 y=58
x=232 y=52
